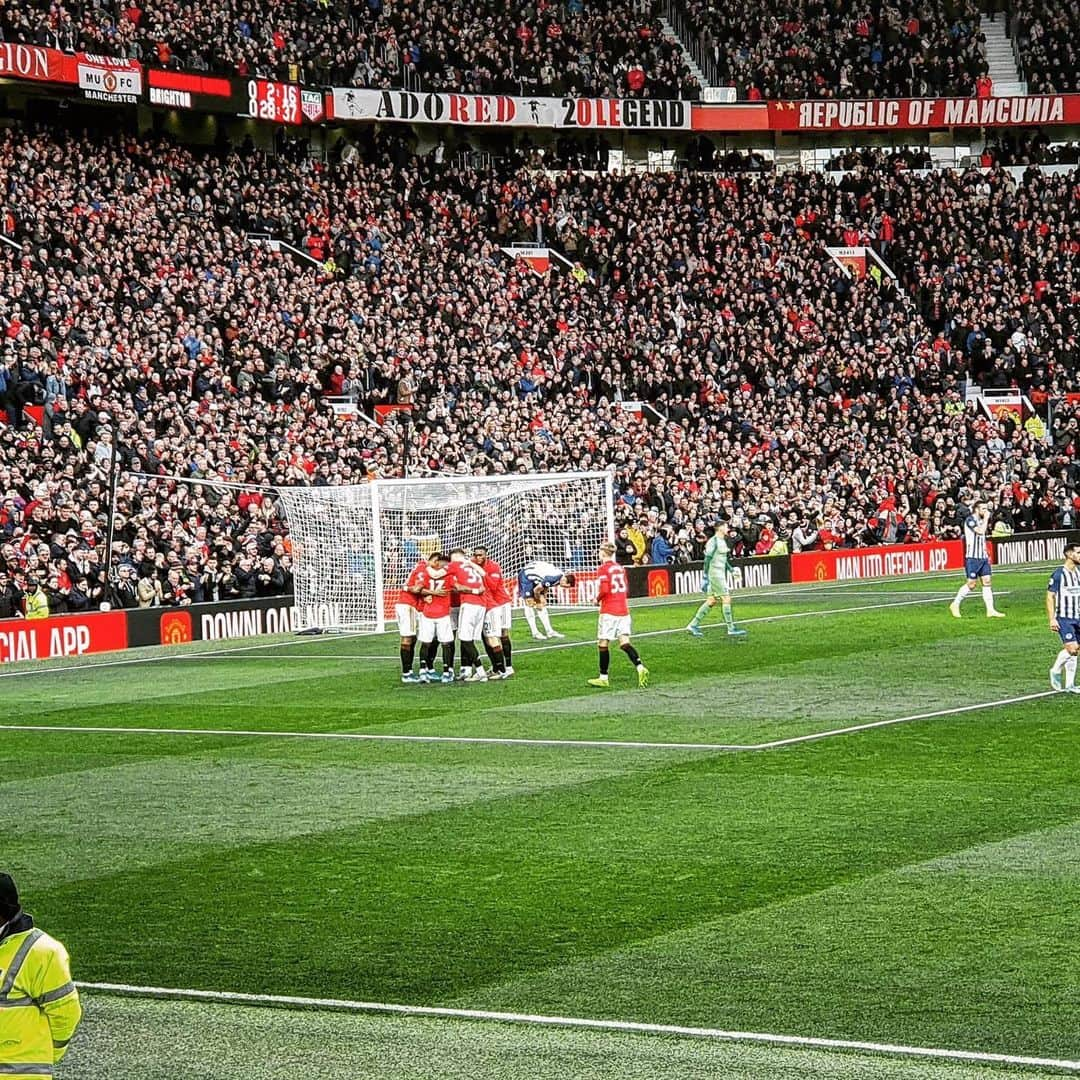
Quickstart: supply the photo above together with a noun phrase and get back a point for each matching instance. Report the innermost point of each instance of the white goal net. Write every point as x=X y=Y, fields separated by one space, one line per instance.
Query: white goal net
x=353 y=547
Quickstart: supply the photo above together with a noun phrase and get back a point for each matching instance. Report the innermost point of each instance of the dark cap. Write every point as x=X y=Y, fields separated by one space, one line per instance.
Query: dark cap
x=9 y=897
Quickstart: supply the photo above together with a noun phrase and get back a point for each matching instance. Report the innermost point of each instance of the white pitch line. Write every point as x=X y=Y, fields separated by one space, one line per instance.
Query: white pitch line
x=630 y=1026
x=777 y=743
x=499 y=740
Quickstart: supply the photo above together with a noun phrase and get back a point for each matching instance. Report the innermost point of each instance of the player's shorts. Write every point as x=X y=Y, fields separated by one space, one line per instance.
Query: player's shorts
x=719 y=584
x=1069 y=629
x=453 y=617
x=612 y=627
x=470 y=625
x=975 y=568
x=442 y=628
x=408 y=619
x=497 y=620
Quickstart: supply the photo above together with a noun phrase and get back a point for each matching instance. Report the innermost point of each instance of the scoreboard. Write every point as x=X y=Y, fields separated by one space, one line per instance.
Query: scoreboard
x=261 y=99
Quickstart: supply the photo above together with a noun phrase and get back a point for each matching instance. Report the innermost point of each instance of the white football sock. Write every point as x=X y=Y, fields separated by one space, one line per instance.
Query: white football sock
x=1070 y=672
x=530 y=618
x=961 y=593
x=1059 y=663
x=988 y=598
x=545 y=619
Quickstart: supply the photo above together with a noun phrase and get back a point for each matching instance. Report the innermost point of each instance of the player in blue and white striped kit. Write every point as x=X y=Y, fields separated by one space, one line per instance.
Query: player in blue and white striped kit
x=534 y=580
x=977 y=561
x=1063 y=610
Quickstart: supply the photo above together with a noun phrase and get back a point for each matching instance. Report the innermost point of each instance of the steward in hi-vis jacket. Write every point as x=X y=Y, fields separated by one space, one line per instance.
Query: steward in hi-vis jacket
x=39 y=1005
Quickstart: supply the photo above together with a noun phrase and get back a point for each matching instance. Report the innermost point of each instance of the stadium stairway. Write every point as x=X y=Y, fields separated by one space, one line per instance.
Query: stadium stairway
x=691 y=63
x=1001 y=59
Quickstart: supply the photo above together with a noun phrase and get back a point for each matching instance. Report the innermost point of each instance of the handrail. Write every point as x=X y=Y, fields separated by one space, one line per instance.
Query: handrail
x=274 y=244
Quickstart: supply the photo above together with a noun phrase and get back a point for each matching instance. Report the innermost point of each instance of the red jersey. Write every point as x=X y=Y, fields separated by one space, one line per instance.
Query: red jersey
x=466 y=575
x=613 y=591
x=434 y=607
x=495 y=593
x=415 y=581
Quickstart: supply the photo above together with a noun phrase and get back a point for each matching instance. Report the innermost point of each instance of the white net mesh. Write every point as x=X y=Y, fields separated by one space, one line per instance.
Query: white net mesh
x=333 y=550
x=353 y=547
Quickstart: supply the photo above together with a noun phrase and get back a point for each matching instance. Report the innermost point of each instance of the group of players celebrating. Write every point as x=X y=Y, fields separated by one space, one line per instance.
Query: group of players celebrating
x=456 y=596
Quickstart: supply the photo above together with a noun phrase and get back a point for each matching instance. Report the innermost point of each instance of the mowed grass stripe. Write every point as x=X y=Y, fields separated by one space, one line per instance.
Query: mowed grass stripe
x=139 y=814
x=798 y=698
x=127 y=1039
x=712 y=691
x=973 y=966
x=439 y=905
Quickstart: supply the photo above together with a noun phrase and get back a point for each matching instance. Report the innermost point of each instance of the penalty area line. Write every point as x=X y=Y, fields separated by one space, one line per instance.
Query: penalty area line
x=500 y=740
x=584 y=1023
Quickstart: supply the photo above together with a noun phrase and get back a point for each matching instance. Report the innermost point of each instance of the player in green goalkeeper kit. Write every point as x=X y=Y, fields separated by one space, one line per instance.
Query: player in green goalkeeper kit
x=716 y=583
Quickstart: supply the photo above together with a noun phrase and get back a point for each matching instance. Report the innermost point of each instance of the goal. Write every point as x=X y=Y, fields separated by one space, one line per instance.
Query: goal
x=353 y=547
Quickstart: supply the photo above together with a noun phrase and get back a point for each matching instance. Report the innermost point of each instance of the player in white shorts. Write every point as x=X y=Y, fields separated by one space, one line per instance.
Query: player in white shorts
x=497 y=620
x=614 y=622
x=466 y=579
x=407 y=612
x=435 y=621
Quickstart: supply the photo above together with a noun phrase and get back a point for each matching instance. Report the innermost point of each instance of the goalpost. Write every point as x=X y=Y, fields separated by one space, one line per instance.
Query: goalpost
x=353 y=547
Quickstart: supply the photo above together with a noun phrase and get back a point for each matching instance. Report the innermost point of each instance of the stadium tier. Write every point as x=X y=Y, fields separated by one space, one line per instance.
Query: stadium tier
x=707 y=349
x=595 y=48
x=814 y=49
x=1046 y=34
x=600 y=48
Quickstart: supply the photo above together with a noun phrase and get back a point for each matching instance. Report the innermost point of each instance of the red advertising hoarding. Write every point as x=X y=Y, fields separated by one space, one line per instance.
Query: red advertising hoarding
x=32 y=62
x=857 y=564
x=900 y=114
x=889 y=114
x=63 y=635
x=101 y=78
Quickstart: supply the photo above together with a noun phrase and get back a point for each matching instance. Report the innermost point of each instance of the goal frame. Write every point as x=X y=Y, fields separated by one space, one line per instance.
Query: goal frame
x=378 y=488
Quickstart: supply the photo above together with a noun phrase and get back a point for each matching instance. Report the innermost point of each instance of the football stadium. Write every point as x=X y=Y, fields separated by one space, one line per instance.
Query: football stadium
x=539 y=542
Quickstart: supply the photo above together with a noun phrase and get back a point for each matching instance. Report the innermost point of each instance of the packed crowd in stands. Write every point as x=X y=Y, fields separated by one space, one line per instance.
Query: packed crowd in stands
x=593 y=48
x=817 y=410
x=794 y=49
x=1046 y=35
x=826 y=48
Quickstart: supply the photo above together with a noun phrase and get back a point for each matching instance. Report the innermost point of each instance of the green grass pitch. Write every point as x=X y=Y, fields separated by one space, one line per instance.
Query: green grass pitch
x=914 y=884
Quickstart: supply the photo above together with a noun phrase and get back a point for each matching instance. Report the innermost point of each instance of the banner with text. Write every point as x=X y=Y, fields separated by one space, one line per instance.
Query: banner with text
x=856 y=564
x=500 y=110
x=1033 y=547
x=63 y=635
x=904 y=113
x=685 y=578
x=101 y=78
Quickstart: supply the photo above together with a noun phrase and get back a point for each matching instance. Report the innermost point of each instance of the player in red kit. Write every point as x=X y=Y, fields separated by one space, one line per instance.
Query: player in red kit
x=407 y=611
x=466 y=580
x=435 y=620
x=614 y=625
x=497 y=621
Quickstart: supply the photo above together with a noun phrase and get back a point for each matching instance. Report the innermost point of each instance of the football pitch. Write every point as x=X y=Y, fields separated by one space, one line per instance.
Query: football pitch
x=861 y=824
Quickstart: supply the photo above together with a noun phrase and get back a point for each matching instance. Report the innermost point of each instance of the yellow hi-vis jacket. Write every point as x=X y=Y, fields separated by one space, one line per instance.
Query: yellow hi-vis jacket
x=39 y=1005
x=37 y=605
